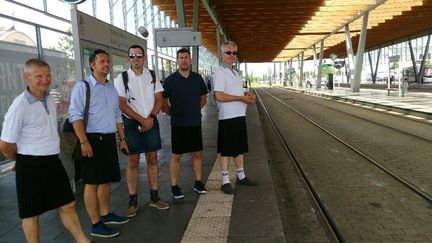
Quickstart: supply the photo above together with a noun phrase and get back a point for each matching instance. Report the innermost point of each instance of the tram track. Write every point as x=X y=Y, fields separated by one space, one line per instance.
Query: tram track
x=407 y=183
x=330 y=225
x=374 y=122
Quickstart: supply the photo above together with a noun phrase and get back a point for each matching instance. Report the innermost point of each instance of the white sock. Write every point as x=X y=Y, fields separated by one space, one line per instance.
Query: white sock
x=240 y=174
x=225 y=177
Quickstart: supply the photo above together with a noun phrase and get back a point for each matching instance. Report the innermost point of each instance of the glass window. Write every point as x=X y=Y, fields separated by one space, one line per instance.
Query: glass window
x=17 y=45
x=58 y=53
x=131 y=21
x=58 y=8
x=156 y=17
x=34 y=4
x=86 y=7
x=102 y=11
x=140 y=11
x=24 y=13
x=118 y=14
x=119 y=64
x=131 y=11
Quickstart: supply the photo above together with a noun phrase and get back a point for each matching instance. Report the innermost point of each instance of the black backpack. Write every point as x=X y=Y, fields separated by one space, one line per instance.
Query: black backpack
x=126 y=80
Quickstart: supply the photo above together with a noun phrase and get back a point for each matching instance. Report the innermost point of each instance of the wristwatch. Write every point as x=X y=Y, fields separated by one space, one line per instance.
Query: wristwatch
x=122 y=139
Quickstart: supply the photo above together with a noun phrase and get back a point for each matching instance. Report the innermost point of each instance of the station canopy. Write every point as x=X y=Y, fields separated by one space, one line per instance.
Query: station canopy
x=279 y=30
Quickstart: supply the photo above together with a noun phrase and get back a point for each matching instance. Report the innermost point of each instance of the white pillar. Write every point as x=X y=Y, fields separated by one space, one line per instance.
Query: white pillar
x=355 y=84
x=318 y=80
x=349 y=47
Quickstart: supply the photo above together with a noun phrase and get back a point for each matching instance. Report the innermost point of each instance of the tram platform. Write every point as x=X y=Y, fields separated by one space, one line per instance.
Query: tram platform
x=417 y=105
x=250 y=215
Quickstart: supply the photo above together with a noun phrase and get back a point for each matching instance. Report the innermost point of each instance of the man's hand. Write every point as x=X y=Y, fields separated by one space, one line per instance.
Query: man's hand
x=146 y=124
x=251 y=94
x=248 y=98
x=124 y=147
x=86 y=149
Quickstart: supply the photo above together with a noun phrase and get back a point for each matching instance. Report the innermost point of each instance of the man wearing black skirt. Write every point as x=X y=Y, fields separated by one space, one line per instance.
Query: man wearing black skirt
x=100 y=164
x=30 y=137
x=187 y=94
x=232 y=102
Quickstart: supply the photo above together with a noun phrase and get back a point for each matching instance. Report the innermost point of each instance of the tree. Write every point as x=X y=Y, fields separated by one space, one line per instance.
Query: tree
x=65 y=44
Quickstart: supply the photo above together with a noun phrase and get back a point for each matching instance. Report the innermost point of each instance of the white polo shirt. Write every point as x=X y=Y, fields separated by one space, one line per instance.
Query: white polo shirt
x=32 y=126
x=140 y=96
x=229 y=82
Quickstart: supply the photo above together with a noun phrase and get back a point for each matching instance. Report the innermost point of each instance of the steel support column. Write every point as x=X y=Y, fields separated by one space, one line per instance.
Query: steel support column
x=314 y=53
x=195 y=49
x=355 y=84
x=422 y=66
x=219 y=44
x=413 y=61
x=246 y=77
x=301 y=69
x=349 y=47
x=180 y=14
x=319 y=76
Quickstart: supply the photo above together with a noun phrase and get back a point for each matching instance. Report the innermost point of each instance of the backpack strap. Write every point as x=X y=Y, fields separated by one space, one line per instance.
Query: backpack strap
x=87 y=104
x=153 y=74
x=125 y=80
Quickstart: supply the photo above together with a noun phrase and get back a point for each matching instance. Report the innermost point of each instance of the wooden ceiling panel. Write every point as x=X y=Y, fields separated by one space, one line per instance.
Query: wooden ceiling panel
x=263 y=29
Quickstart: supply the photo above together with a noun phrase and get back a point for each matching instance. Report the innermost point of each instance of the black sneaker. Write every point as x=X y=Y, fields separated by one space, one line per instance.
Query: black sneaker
x=176 y=192
x=246 y=182
x=199 y=187
x=227 y=188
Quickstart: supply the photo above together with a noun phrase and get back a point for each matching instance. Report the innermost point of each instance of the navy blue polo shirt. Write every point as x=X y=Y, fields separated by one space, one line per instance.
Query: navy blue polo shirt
x=184 y=95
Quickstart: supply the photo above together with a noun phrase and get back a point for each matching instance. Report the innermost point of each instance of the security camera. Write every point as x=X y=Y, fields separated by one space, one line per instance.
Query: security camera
x=143 y=31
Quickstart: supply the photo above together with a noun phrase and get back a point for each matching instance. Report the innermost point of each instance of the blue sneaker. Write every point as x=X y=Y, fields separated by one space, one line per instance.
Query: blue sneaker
x=101 y=230
x=113 y=218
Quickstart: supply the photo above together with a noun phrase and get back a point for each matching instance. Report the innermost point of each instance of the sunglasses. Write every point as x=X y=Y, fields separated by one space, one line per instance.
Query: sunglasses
x=132 y=56
x=231 y=52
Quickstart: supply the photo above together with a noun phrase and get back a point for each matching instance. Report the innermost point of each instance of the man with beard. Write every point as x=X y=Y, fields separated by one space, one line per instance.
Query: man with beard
x=100 y=164
x=187 y=94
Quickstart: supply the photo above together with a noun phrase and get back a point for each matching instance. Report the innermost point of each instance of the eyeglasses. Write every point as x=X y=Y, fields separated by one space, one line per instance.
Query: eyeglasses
x=132 y=56
x=231 y=52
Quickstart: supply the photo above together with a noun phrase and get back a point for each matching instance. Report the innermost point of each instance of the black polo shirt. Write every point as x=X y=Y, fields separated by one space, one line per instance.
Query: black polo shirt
x=184 y=96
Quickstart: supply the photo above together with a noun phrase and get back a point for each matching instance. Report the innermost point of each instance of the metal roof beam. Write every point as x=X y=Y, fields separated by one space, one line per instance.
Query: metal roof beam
x=214 y=18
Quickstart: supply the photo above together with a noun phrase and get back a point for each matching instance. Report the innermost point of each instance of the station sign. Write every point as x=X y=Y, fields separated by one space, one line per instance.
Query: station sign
x=394 y=58
x=173 y=37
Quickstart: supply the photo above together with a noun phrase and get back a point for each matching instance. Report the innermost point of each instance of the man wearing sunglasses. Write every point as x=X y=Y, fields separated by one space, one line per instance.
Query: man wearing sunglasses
x=140 y=99
x=232 y=103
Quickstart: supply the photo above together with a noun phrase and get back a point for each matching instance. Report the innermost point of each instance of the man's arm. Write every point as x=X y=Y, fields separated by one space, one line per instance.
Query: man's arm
x=126 y=109
x=158 y=103
x=222 y=97
x=8 y=149
x=86 y=149
x=122 y=143
x=203 y=100
x=165 y=107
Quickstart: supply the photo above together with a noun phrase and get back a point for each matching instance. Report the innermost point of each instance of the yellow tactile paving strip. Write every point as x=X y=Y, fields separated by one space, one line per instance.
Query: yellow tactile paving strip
x=211 y=218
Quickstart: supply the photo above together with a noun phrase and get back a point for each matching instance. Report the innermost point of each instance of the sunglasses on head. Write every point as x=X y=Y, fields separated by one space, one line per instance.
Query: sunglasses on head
x=231 y=52
x=132 y=56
